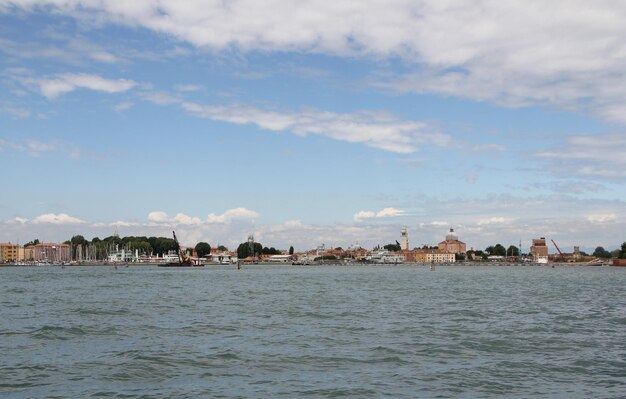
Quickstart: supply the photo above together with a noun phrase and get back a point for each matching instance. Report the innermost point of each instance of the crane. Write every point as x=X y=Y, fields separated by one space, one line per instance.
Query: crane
x=561 y=256
x=557 y=247
x=182 y=257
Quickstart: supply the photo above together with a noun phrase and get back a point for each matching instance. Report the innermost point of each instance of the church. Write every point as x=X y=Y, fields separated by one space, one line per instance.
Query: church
x=452 y=245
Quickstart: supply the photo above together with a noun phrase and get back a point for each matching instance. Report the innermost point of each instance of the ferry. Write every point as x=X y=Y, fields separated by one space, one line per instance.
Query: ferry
x=384 y=257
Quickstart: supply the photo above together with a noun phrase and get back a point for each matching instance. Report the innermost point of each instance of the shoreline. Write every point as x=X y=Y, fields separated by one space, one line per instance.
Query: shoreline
x=414 y=264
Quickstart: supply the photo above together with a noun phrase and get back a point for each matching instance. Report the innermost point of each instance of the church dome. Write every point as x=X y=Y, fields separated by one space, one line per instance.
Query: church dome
x=451 y=236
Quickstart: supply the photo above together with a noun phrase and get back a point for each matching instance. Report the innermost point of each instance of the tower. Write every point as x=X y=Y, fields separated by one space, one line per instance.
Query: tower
x=251 y=244
x=404 y=239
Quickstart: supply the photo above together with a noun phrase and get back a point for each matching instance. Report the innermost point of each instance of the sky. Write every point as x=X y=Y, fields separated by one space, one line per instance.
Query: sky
x=314 y=122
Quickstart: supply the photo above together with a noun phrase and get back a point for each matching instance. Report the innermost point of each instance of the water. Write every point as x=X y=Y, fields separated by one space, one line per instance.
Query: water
x=282 y=331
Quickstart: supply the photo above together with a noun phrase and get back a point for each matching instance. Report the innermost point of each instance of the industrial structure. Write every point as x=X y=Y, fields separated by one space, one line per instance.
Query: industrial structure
x=539 y=250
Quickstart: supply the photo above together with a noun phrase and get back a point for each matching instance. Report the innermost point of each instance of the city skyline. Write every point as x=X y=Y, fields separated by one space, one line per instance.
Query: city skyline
x=325 y=123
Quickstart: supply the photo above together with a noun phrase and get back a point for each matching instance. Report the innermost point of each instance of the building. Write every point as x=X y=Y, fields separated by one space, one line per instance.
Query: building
x=124 y=256
x=452 y=245
x=433 y=256
x=11 y=252
x=409 y=255
x=539 y=249
x=48 y=252
x=404 y=239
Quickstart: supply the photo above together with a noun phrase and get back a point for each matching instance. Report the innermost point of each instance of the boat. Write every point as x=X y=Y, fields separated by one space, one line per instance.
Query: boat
x=384 y=257
x=183 y=259
x=619 y=262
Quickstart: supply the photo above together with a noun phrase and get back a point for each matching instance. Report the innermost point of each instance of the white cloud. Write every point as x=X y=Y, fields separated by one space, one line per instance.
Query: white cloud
x=364 y=215
x=18 y=112
x=36 y=148
x=188 y=87
x=389 y=212
x=119 y=223
x=571 y=221
x=70 y=49
x=439 y=223
x=160 y=98
x=566 y=53
x=123 y=106
x=384 y=213
x=591 y=156
x=17 y=221
x=232 y=214
x=493 y=220
x=159 y=217
x=374 y=129
x=183 y=219
x=61 y=218
x=599 y=219
x=489 y=148
x=51 y=88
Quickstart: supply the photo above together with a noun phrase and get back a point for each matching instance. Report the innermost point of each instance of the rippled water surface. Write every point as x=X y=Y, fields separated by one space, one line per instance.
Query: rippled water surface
x=283 y=331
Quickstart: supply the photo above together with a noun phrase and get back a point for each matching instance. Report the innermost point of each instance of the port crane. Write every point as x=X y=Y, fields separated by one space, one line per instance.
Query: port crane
x=561 y=256
x=182 y=257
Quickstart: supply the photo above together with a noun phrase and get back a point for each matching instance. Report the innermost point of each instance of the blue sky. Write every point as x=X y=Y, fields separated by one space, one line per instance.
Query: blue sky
x=316 y=123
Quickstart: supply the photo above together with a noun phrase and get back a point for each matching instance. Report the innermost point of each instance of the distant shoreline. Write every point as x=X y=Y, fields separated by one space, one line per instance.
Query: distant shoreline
x=415 y=264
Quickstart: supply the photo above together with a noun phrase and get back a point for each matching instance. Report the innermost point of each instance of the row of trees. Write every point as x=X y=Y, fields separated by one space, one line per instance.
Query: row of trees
x=101 y=248
x=620 y=253
x=245 y=250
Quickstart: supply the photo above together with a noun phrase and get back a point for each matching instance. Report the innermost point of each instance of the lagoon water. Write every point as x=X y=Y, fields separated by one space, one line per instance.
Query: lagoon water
x=315 y=332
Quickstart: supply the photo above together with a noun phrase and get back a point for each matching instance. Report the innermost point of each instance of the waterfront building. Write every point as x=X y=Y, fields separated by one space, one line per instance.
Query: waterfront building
x=11 y=252
x=404 y=239
x=452 y=245
x=539 y=250
x=409 y=255
x=434 y=256
x=48 y=252
x=222 y=257
x=124 y=256
x=278 y=258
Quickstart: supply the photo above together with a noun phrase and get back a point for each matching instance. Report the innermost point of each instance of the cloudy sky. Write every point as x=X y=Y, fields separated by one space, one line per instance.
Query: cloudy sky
x=314 y=122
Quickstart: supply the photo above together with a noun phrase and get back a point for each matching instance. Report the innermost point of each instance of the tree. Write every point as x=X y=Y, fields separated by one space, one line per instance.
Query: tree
x=143 y=247
x=78 y=240
x=203 y=249
x=393 y=247
x=31 y=243
x=622 y=253
x=497 y=250
x=162 y=245
x=270 y=251
x=512 y=251
x=600 y=252
x=243 y=250
x=291 y=250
